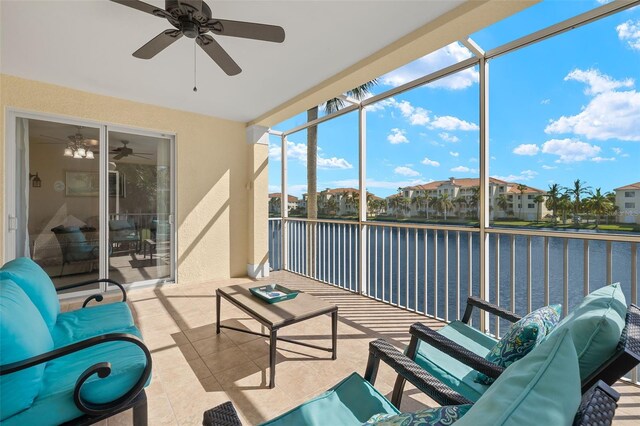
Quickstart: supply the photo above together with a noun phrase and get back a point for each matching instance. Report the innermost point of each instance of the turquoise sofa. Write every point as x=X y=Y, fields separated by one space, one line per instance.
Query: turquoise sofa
x=76 y=367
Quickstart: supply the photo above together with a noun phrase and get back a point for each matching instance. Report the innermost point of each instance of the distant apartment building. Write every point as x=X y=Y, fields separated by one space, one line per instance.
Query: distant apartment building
x=506 y=199
x=343 y=202
x=628 y=203
x=274 y=203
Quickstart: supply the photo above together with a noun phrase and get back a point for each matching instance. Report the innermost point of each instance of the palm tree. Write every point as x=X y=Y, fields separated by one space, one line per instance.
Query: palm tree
x=444 y=204
x=521 y=188
x=460 y=202
x=599 y=204
x=564 y=205
x=332 y=206
x=539 y=199
x=502 y=203
x=474 y=200
x=553 y=196
x=330 y=106
x=274 y=205
x=579 y=189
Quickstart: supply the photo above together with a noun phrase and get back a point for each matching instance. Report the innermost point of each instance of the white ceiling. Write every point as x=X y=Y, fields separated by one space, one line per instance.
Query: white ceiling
x=87 y=45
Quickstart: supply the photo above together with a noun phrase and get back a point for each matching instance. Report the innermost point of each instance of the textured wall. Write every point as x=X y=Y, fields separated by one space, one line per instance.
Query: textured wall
x=212 y=159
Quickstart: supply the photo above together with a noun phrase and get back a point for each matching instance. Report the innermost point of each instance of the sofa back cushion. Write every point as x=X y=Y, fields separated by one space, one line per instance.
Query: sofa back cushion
x=596 y=326
x=543 y=388
x=23 y=334
x=36 y=283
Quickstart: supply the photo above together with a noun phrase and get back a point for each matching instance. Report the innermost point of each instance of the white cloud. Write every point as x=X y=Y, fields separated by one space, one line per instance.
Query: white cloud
x=428 y=162
x=526 y=149
x=544 y=166
x=448 y=55
x=630 y=32
x=297 y=189
x=609 y=115
x=454 y=154
x=406 y=171
x=603 y=159
x=448 y=138
x=570 y=150
x=448 y=122
x=475 y=160
x=597 y=82
x=545 y=101
x=618 y=151
x=274 y=188
x=382 y=184
x=463 y=169
x=298 y=151
x=522 y=176
x=397 y=136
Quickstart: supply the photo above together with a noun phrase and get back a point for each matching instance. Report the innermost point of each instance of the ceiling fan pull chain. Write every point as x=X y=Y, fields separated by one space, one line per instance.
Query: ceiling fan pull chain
x=195 y=88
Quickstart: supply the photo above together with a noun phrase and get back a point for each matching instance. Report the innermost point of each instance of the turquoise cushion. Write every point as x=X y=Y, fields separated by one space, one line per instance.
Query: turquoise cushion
x=54 y=404
x=23 y=334
x=522 y=337
x=37 y=284
x=91 y=321
x=440 y=416
x=542 y=388
x=596 y=326
x=455 y=374
x=351 y=402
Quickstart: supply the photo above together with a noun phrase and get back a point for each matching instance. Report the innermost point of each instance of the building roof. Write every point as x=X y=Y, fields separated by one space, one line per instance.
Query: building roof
x=292 y=198
x=631 y=186
x=471 y=182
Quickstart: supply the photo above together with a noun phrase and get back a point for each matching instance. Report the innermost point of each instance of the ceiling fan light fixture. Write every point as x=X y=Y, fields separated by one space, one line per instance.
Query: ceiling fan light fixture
x=77 y=155
x=68 y=152
x=82 y=151
x=89 y=155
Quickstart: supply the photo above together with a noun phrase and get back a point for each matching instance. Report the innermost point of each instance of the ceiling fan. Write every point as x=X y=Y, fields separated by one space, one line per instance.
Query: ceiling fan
x=192 y=18
x=77 y=145
x=124 y=151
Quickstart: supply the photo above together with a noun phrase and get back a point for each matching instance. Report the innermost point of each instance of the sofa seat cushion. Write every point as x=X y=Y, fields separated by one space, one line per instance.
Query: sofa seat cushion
x=54 y=404
x=37 y=284
x=596 y=326
x=439 y=416
x=351 y=402
x=23 y=334
x=455 y=374
x=542 y=388
x=91 y=321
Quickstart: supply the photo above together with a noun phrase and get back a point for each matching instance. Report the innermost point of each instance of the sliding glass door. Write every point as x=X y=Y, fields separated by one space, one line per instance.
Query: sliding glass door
x=140 y=207
x=86 y=200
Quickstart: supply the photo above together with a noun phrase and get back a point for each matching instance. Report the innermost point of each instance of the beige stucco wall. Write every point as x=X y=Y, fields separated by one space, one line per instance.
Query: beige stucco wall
x=212 y=159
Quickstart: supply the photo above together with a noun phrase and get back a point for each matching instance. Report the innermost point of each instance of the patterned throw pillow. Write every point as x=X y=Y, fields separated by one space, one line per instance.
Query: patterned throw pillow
x=441 y=416
x=521 y=338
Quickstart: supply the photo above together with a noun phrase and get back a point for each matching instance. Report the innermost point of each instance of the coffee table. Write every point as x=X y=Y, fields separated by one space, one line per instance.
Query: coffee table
x=276 y=316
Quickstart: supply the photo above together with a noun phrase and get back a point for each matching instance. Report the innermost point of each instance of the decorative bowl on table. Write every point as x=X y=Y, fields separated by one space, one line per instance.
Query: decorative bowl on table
x=273 y=293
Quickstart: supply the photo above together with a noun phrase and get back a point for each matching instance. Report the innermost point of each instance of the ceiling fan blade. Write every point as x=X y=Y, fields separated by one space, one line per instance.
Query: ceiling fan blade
x=218 y=54
x=144 y=157
x=157 y=44
x=250 y=30
x=59 y=140
x=144 y=7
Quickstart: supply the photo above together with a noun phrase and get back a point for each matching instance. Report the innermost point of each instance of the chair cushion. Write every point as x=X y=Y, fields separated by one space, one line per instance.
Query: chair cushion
x=119 y=224
x=522 y=337
x=37 y=284
x=351 y=402
x=596 y=326
x=440 y=416
x=91 y=321
x=542 y=388
x=54 y=404
x=23 y=334
x=455 y=374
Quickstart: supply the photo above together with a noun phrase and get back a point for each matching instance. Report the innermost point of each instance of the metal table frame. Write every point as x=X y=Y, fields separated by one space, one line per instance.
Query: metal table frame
x=273 y=331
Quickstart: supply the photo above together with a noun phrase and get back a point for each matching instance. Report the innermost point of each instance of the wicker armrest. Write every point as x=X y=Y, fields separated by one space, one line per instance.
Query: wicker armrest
x=407 y=368
x=598 y=406
x=454 y=350
x=489 y=307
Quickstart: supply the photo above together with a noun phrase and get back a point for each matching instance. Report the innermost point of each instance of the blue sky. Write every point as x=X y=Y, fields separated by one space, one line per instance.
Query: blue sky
x=561 y=109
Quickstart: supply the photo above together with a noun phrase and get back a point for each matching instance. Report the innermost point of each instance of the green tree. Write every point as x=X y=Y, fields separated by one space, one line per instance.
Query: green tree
x=502 y=203
x=474 y=200
x=539 y=199
x=521 y=188
x=460 y=203
x=444 y=204
x=579 y=189
x=564 y=205
x=553 y=197
x=599 y=205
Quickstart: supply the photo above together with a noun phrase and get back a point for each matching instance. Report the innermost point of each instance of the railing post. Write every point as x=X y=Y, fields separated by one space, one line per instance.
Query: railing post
x=362 y=207
x=284 y=210
x=484 y=188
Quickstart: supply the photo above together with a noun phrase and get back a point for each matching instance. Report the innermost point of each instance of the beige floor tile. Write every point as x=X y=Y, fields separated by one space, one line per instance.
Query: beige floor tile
x=225 y=360
x=211 y=345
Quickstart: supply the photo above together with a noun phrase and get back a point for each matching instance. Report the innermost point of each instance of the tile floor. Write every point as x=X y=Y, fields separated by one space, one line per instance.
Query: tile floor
x=195 y=369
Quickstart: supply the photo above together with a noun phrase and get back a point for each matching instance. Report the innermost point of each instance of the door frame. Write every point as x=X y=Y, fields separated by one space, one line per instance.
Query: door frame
x=9 y=246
